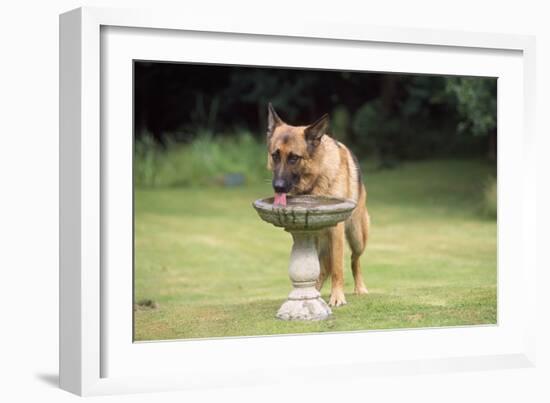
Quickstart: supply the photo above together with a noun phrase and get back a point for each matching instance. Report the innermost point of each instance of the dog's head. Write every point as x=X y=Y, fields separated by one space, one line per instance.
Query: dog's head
x=291 y=154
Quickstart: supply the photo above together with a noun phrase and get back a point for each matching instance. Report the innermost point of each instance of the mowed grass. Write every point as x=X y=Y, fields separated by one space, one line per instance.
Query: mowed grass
x=212 y=268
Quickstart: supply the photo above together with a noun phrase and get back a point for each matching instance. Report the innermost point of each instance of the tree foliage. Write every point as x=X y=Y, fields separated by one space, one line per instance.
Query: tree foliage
x=394 y=116
x=476 y=103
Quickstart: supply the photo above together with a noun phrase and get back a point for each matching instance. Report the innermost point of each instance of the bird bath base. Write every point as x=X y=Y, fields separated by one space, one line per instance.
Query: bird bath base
x=304 y=217
x=304 y=301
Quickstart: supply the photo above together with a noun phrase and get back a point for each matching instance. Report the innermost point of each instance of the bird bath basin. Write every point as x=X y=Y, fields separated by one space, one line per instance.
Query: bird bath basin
x=304 y=217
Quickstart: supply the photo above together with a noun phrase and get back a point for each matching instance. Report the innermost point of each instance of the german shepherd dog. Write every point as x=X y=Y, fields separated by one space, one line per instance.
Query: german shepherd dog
x=305 y=160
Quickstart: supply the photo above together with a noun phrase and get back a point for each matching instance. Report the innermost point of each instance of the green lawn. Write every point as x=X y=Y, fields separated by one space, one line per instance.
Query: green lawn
x=212 y=268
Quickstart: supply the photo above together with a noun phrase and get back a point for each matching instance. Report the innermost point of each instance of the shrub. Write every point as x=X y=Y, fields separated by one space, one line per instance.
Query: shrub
x=490 y=197
x=203 y=162
x=146 y=160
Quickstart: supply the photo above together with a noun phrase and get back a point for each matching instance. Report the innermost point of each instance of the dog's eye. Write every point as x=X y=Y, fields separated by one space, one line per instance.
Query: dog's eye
x=293 y=159
x=276 y=157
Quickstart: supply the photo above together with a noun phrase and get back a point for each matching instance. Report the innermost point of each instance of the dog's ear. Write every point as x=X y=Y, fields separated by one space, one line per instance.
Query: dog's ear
x=273 y=120
x=315 y=131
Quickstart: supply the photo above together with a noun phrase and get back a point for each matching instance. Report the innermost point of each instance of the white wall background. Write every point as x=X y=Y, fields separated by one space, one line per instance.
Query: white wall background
x=29 y=197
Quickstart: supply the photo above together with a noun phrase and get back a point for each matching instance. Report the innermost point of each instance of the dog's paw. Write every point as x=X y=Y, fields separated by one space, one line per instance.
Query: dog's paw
x=337 y=298
x=361 y=290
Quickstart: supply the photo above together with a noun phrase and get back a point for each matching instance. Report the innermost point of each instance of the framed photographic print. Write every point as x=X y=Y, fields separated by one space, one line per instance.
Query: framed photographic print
x=238 y=197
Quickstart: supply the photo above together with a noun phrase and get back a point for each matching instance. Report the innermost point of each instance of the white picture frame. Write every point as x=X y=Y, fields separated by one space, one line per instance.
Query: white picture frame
x=96 y=355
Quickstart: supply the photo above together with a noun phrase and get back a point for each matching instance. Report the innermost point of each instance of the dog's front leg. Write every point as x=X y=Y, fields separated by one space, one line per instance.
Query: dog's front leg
x=336 y=256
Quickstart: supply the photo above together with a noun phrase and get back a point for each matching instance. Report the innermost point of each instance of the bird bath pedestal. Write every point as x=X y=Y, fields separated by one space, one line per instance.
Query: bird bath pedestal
x=304 y=217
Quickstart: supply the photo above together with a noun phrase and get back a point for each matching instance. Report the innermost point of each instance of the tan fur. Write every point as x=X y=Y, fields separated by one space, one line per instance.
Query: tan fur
x=328 y=170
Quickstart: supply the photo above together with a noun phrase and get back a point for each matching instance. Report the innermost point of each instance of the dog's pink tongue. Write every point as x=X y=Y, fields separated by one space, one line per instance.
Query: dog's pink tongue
x=280 y=198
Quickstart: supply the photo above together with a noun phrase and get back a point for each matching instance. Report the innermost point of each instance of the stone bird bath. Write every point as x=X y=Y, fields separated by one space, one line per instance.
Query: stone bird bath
x=304 y=217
